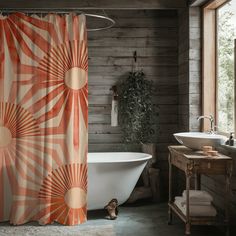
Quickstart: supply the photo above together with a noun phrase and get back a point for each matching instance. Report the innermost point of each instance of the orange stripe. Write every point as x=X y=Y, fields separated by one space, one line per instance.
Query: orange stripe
x=32 y=155
x=23 y=45
x=43 y=149
x=33 y=169
x=11 y=47
x=46 y=99
x=41 y=24
x=76 y=35
x=36 y=87
x=32 y=34
x=63 y=28
x=10 y=172
x=76 y=133
x=84 y=106
x=2 y=60
x=55 y=110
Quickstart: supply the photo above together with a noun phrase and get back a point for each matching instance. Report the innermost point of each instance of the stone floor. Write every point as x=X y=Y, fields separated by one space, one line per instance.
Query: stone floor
x=148 y=220
x=141 y=219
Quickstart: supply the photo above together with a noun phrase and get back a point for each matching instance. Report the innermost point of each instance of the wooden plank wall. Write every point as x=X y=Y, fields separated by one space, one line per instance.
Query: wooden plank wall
x=189 y=75
x=189 y=68
x=183 y=69
x=94 y=4
x=154 y=35
x=194 y=67
x=216 y=186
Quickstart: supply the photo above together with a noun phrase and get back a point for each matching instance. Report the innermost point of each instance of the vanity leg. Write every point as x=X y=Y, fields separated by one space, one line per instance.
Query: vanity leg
x=170 y=191
x=188 y=225
x=227 y=190
x=187 y=229
x=169 y=216
x=197 y=182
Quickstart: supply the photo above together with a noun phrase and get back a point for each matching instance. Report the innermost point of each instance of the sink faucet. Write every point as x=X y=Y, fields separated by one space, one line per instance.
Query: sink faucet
x=211 y=119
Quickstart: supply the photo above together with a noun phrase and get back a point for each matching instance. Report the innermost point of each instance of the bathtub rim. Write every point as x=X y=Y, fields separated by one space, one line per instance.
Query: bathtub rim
x=116 y=160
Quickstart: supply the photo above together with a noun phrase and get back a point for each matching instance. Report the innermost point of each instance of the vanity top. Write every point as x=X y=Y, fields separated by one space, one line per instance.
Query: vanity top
x=191 y=154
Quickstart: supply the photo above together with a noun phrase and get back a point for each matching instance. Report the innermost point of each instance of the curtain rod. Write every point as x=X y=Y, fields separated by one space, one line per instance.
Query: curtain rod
x=41 y=10
x=59 y=11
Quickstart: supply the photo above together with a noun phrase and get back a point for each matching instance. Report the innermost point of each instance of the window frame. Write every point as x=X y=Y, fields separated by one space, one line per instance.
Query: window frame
x=235 y=85
x=210 y=61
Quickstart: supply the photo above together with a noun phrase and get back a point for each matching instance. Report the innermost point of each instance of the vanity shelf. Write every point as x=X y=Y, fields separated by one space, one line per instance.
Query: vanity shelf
x=194 y=164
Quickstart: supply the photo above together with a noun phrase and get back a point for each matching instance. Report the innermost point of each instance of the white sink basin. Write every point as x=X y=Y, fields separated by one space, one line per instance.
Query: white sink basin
x=195 y=140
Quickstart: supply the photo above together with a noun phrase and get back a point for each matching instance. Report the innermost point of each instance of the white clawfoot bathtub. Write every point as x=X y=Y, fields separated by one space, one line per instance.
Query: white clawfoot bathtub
x=113 y=175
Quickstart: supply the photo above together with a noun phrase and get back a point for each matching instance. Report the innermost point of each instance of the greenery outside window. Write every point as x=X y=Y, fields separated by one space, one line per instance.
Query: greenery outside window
x=226 y=34
x=218 y=64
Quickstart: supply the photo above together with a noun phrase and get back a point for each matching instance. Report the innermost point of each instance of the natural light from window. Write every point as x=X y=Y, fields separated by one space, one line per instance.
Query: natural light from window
x=225 y=83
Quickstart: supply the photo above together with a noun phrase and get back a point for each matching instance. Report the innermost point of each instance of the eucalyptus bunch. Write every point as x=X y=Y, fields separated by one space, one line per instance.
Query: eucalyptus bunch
x=136 y=108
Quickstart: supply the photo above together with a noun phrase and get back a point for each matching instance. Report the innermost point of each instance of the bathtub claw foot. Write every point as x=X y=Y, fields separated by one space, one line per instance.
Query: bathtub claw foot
x=110 y=217
x=112 y=208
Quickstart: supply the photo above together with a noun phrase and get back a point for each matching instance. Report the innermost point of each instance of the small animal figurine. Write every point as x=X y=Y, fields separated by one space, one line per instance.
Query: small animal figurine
x=112 y=208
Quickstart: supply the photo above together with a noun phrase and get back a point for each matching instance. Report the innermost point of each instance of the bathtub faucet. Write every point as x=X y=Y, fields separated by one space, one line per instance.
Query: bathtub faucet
x=211 y=119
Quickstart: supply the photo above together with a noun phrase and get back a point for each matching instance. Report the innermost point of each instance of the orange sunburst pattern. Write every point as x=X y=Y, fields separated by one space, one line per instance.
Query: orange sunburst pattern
x=61 y=198
x=43 y=118
x=17 y=125
x=65 y=70
x=65 y=199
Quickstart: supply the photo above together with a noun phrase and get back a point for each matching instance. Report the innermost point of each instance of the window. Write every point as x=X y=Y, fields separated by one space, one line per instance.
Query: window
x=226 y=34
x=218 y=63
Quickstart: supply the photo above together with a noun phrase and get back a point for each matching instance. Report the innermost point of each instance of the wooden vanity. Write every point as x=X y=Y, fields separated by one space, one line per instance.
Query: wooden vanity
x=194 y=164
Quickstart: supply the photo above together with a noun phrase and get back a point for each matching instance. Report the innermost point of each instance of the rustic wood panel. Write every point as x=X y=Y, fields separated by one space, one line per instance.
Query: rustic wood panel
x=128 y=52
x=111 y=58
x=183 y=69
x=124 y=61
x=170 y=70
x=170 y=32
x=94 y=4
x=155 y=39
x=195 y=68
x=189 y=68
x=96 y=79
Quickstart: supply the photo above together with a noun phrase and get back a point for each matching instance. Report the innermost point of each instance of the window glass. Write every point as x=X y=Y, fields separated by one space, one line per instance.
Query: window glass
x=225 y=80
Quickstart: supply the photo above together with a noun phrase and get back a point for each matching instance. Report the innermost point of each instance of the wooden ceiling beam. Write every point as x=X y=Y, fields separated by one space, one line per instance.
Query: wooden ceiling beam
x=197 y=3
x=95 y=4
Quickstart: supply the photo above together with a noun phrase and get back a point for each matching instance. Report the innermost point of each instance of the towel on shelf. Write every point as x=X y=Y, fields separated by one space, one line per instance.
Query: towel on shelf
x=191 y=202
x=198 y=196
x=196 y=210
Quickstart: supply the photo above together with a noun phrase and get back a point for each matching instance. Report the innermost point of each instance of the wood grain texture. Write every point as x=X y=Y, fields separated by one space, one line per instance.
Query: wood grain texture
x=94 y=4
x=189 y=68
x=183 y=73
x=209 y=65
x=155 y=40
x=153 y=35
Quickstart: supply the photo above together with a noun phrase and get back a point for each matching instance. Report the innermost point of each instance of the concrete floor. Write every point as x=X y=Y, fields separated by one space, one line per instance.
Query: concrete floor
x=141 y=219
x=147 y=220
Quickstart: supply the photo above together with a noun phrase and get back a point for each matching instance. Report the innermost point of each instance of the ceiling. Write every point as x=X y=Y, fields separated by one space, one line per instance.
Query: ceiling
x=95 y=4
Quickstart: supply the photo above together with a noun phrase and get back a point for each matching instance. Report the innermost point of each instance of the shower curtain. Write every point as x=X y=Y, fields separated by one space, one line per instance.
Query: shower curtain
x=43 y=118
